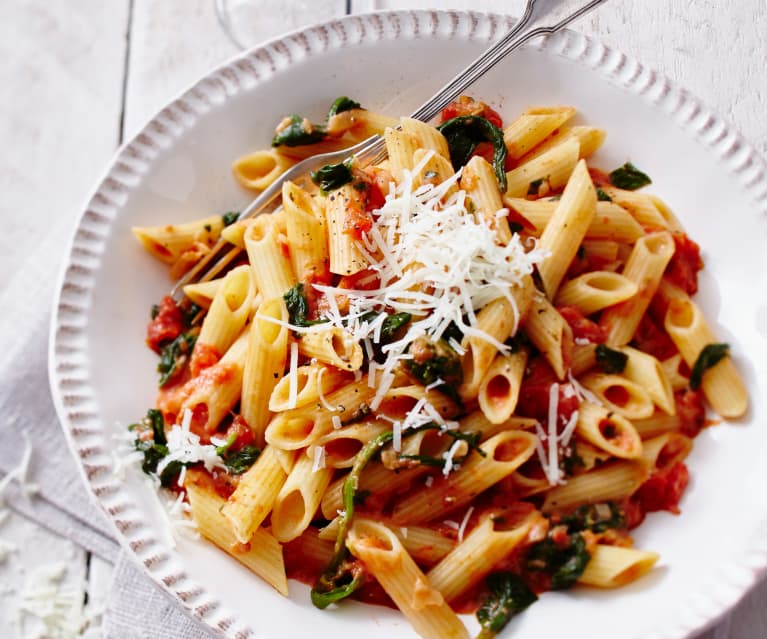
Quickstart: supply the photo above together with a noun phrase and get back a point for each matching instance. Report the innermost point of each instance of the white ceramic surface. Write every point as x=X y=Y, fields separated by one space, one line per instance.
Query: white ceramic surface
x=177 y=168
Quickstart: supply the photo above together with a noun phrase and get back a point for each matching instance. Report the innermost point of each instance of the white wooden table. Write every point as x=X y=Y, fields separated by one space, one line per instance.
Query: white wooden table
x=77 y=77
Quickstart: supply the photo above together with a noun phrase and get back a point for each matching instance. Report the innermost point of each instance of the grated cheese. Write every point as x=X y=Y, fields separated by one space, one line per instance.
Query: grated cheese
x=462 y=527
x=184 y=446
x=293 y=376
x=46 y=607
x=321 y=394
x=319 y=458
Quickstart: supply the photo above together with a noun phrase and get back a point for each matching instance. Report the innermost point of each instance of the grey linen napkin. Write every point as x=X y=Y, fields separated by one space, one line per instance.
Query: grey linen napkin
x=136 y=607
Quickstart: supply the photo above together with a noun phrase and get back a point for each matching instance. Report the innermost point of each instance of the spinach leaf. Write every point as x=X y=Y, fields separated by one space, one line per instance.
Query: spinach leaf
x=239 y=461
x=471 y=439
x=170 y=472
x=298 y=131
x=594 y=517
x=708 y=357
x=333 y=176
x=154 y=449
x=342 y=104
x=230 y=217
x=433 y=361
x=564 y=563
x=602 y=196
x=153 y=454
x=629 y=177
x=298 y=307
x=464 y=132
x=156 y=421
x=509 y=595
x=174 y=356
x=610 y=360
x=342 y=577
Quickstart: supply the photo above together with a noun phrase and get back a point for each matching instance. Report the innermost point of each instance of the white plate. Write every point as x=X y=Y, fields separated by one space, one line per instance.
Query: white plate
x=177 y=168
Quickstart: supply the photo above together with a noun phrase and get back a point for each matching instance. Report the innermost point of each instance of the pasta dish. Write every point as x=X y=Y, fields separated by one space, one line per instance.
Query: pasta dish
x=447 y=383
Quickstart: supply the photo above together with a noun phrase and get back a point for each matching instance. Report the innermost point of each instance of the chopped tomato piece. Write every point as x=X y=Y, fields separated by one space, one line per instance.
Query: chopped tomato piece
x=691 y=411
x=465 y=105
x=203 y=356
x=243 y=435
x=166 y=326
x=653 y=340
x=664 y=488
x=599 y=177
x=534 y=394
x=683 y=268
x=582 y=326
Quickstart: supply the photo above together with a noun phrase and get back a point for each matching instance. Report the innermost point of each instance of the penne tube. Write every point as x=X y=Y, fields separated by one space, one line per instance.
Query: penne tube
x=499 y=389
x=388 y=561
x=549 y=171
x=400 y=148
x=615 y=566
x=657 y=424
x=487 y=545
x=299 y=498
x=499 y=319
x=345 y=257
x=434 y=171
x=340 y=447
x=640 y=205
x=333 y=346
x=228 y=312
x=665 y=450
x=610 y=221
x=595 y=290
x=262 y=555
x=721 y=383
x=202 y=293
x=307 y=234
x=259 y=169
x=567 y=228
x=550 y=334
x=301 y=427
x=479 y=181
x=252 y=500
x=168 y=243
x=264 y=365
x=217 y=389
x=608 y=482
x=672 y=368
x=608 y=431
x=504 y=453
x=584 y=359
x=589 y=139
x=620 y=394
x=313 y=381
x=425 y=136
x=645 y=370
x=645 y=267
x=270 y=268
x=533 y=127
x=425 y=545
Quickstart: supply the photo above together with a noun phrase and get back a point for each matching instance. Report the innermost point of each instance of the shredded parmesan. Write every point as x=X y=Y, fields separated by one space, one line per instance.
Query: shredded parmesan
x=320 y=392
x=47 y=607
x=319 y=458
x=184 y=446
x=20 y=473
x=293 y=376
x=462 y=527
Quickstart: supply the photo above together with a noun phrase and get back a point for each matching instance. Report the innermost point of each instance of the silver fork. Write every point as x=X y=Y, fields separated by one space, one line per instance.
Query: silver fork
x=532 y=24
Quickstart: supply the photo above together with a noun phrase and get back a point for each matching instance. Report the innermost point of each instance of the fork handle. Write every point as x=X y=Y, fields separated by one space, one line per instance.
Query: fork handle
x=535 y=21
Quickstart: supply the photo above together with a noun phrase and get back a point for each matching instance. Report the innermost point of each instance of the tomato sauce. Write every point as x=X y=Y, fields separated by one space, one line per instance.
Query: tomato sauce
x=466 y=105
x=685 y=263
x=166 y=326
x=204 y=356
x=582 y=326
